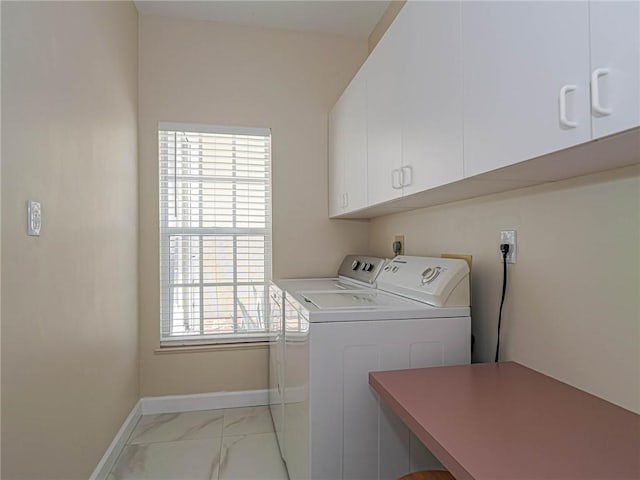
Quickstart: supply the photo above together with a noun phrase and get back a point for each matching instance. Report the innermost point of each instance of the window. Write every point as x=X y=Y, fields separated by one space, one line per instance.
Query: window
x=215 y=233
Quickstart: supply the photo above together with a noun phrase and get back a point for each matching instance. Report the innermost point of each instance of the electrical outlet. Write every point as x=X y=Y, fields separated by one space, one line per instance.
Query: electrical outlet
x=399 y=238
x=508 y=237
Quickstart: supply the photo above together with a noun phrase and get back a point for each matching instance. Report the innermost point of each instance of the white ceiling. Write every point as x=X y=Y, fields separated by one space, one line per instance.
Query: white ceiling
x=353 y=18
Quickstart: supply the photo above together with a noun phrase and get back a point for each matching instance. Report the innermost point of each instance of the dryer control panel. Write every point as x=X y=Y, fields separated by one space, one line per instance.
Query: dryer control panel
x=361 y=268
x=441 y=282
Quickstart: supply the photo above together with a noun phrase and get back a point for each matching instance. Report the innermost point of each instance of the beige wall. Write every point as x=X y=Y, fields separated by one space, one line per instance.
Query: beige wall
x=69 y=315
x=0 y=238
x=217 y=74
x=386 y=19
x=572 y=308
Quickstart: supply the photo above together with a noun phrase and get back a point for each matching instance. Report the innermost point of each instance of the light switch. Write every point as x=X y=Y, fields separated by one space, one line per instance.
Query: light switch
x=34 y=218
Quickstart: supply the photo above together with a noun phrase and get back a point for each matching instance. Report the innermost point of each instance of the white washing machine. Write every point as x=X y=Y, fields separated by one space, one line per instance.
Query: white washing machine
x=356 y=272
x=334 y=426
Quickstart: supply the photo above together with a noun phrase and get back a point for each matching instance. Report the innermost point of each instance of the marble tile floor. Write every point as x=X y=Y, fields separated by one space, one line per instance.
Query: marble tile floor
x=226 y=444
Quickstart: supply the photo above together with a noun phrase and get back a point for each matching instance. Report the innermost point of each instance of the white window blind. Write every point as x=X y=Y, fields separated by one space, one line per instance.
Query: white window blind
x=215 y=233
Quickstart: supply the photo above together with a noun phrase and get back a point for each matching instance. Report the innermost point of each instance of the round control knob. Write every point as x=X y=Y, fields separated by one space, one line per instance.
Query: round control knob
x=430 y=274
x=355 y=265
x=364 y=267
x=369 y=267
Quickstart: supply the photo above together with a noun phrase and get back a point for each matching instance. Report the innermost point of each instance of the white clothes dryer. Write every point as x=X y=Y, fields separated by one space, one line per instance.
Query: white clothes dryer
x=334 y=426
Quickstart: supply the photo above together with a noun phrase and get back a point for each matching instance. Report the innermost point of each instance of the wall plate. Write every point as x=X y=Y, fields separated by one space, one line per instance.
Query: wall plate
x=34 y=218
x=400 y=238
x=508 y=237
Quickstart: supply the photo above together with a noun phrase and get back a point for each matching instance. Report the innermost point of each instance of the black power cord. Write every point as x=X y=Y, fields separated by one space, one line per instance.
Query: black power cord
x=504 y=248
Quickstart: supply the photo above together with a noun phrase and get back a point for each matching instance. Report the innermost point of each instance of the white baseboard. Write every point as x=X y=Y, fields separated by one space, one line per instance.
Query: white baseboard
x=203 y=401
x=174 y=404
x=111 y=455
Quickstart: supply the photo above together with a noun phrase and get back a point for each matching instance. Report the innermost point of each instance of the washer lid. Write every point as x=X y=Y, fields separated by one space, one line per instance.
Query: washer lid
x=358 y=300
x=365 y=305
x=318 y=284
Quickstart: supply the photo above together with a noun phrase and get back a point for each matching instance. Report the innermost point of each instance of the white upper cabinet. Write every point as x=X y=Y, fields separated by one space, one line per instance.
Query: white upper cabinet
x=414 y=102
x=384 y=114
x=355 y=164
x=526 y=80
x=348 y=149
x=336 y=158
x=615 y=66
x=432 y=96
x=455 y=89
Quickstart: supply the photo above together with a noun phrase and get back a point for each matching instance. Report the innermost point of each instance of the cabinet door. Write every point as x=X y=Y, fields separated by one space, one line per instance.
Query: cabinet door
x=432 y=90
x=355 y=148
x=615 y=66
x=348 y=149
x=384 y=116
x=337 y=140
x=523 y=62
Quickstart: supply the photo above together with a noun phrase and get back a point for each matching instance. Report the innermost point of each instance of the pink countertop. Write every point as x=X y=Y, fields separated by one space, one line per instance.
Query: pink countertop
x=494 y=421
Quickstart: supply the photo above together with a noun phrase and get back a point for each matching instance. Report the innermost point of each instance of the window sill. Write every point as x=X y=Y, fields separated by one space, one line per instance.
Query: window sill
x=210 y=348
